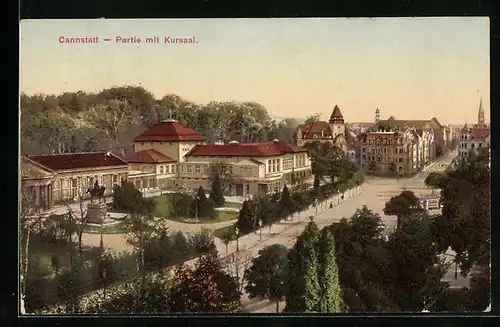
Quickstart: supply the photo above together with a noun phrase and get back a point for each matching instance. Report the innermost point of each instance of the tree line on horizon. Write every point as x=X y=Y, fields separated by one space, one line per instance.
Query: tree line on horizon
x=110 y=119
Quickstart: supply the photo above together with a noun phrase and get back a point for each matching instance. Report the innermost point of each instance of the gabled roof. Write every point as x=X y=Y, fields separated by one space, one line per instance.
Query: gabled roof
x=168 y=131
x=251 y=160
x=82 y=160
x=336 y=114
x=33 y=170
x=479 y=133
x=318 y=128
x=264 y=149
x=148 y=156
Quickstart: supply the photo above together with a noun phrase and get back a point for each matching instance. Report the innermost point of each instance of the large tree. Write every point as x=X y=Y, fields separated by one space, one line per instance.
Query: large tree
x=216 y=192
x=465 y=224
x=268 y=275
x=402 y=205
x=419 y=266
x=246 y=218
x=305 y=294
x=204 y=288
x=286 y=205
x=328 y=275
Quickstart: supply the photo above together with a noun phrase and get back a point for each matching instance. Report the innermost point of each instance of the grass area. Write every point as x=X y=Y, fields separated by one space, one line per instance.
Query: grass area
x=232 y=205
x=117 y=228
x=163 y=208
x=43 y=248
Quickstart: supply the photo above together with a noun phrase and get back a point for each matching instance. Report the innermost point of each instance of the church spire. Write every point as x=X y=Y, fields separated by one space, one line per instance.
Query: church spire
x=480 y=115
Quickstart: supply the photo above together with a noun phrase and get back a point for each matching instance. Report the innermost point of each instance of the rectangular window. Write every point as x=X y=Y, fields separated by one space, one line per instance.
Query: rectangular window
x=197 y=169
x=363 y=157
x=396 y=150
x=269 y=166
x=182 y=168
x=115 y=179
x=248 y=188
x=279 y=165
x=364 y=150
x=400 y=160
x=161 y=170
x=205 y=169
x=189 y=168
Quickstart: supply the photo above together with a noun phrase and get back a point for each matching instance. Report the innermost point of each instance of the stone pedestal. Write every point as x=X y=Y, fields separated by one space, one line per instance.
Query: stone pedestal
x=96 y=212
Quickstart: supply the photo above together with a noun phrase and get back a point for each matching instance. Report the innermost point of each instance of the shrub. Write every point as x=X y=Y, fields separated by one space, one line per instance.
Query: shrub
x=202 y=242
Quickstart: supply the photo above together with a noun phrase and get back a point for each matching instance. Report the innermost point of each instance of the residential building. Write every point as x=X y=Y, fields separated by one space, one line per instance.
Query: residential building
x=384 y=151
x=333 y=131
x=47 y=179
x=430 y=127
x=475 y=137
x=253 y=168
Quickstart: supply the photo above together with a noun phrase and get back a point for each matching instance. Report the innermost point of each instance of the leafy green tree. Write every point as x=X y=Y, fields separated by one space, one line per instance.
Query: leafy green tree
x=435 y=180
x=144 y=295
x=202 y=242
x=328 y=275
x=227 y=237
x=465 y=224
x=312 y=119
x=127 y=197
x=266 y=211
x=181 y=244
x=216 y=192
x=70 y=285
x=206 y=288
x=286 y=205
x=402 y=205
x=268 y=275
x=419 y=266
x=305 y=294
x=203 y=207
x=143 y=231
x=366 y=226
x=246 y=218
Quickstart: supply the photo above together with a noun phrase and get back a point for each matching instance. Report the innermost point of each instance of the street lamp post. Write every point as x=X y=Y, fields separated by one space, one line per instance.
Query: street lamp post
x=237 y=233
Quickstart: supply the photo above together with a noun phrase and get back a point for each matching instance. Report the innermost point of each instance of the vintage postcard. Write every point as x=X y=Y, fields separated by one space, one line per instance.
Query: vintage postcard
x=255 y=165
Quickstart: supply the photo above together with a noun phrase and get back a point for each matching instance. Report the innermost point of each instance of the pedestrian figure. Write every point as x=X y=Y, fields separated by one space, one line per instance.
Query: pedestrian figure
x=342 y=197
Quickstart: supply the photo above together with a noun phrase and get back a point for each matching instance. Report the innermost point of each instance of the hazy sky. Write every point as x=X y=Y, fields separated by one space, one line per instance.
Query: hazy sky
x=409 y=68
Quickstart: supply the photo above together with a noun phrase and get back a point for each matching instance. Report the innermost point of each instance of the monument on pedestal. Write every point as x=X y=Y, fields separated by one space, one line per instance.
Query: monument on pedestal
x=96 y=209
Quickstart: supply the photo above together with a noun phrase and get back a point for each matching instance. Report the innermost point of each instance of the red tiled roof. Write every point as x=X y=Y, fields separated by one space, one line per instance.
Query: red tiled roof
x=315 y=129
x=27 y=159
x=479 y=133
x=168 y=131
x=68 y=161
x=244 y=150
x=336 y=114
x=148 y=156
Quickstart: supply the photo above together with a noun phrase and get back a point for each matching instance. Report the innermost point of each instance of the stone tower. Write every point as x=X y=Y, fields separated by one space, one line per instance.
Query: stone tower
x=377 y=115
x=336 y=122
x=480 y=114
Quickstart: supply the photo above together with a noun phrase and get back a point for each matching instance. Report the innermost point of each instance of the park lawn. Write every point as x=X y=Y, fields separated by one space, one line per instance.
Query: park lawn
x=233 y=205
x=42 y=248
x=118 y=228
x=163 y=208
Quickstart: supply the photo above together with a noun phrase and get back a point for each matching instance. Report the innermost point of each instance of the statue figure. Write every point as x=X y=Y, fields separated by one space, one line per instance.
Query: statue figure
x=96 y=193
